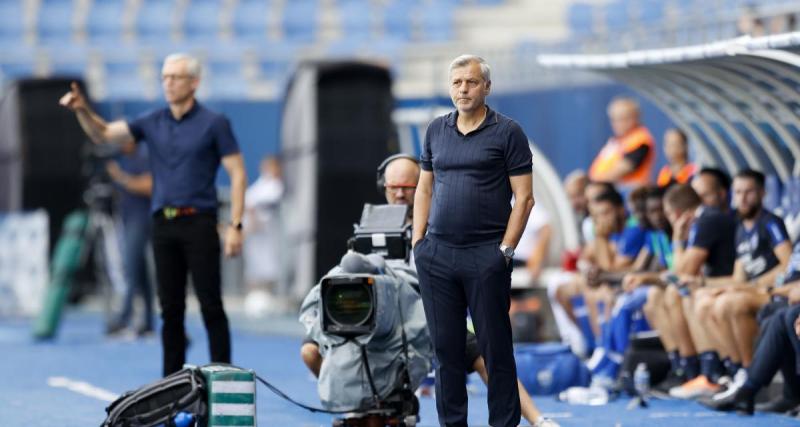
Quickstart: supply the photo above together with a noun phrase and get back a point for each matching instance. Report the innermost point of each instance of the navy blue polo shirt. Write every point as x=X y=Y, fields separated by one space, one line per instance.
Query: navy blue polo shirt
x=185 y=155
x=755 y=247
x=471 y=200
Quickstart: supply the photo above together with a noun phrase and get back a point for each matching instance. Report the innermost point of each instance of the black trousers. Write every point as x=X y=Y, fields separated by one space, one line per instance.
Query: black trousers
x=189 y=244
x=452 y=280
x=777 y=349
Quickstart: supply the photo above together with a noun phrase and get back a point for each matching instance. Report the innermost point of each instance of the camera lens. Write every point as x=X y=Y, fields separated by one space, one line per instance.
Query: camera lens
x=349 y=304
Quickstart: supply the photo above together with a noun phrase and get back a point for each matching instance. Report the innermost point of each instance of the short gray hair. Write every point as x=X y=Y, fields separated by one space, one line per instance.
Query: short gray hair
x=464 y=60
x=192 y=64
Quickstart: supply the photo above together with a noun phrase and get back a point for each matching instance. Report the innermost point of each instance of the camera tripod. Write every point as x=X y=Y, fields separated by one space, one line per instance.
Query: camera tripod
x=85 y=233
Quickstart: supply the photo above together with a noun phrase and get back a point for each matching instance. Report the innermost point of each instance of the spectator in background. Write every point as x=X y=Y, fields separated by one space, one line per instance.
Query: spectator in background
x=785 y=23
x=703 y=243
x=592 y=191
x=575 y=186
x=678 y=169
x=262 y=231
x=533 y=246
x=749 y=23
x=712 y=185
x=132 y=177
x=628 y=156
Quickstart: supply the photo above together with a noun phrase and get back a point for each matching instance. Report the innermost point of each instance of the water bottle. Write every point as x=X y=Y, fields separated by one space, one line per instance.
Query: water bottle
x=641 y=380
x=593 y=396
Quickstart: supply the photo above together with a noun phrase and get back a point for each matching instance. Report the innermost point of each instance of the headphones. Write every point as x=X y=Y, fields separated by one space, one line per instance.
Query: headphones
x=381 y=179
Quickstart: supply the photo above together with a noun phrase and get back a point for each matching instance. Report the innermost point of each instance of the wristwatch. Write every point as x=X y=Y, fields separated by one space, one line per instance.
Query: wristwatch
x=507 y=251
x=237 y=225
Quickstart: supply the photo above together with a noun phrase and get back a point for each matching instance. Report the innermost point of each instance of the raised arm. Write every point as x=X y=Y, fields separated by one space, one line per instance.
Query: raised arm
x=97 y=129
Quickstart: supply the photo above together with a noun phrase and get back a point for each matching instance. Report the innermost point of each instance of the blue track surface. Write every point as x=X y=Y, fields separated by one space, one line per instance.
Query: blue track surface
x=81 y=353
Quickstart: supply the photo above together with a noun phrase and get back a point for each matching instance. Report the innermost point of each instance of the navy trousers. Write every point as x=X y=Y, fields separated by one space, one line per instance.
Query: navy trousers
x=777 y=349
x=453 y=280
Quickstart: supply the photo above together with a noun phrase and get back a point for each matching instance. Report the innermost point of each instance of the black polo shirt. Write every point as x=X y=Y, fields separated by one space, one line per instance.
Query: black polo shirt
x=715 y=232
x=185 y=155
x=471 y=189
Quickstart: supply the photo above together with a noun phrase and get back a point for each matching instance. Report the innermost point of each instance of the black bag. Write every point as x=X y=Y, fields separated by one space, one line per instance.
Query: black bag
x=645 y=348
x=158 y=403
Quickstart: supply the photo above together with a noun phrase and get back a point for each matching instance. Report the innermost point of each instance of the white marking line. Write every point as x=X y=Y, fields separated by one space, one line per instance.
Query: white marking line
x=686 y=414
x=83 y=388
x=555 y=415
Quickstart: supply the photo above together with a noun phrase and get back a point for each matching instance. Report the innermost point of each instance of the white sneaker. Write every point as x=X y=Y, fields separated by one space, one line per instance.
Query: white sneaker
x=545 y=422
x=738 y=381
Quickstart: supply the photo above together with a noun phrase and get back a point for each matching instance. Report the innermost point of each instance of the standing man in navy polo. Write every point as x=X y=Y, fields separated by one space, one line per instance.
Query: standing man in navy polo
x=473 y=161
x=187 y=143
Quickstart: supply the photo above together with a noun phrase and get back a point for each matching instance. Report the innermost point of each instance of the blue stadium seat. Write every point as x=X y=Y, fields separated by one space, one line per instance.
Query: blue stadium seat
x=772 y=199
x=202 y=20
x=54 y=21
x=616 y=15
x=356 y=19
x=650 y=12
x=384 y=48
x=300 y=20
x=397 y=19
x=437 y=22
x=68 y=60
x=580 y=18
x=123 y=81
x=105 y=21
x=155 y=19
x=16 y=70
x=275 y=65
x=250 y=20
x=225 y=78
x=12 y=28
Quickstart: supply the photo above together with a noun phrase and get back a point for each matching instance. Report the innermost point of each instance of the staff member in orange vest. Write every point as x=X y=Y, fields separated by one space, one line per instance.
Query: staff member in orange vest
x=678 y=170
x=627 y=158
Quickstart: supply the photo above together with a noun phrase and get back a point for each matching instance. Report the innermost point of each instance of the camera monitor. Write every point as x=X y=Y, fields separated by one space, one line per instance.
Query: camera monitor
x=383 y=230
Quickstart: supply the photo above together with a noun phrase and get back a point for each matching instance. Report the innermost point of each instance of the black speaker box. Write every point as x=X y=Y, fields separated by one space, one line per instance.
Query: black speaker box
x=40 y=150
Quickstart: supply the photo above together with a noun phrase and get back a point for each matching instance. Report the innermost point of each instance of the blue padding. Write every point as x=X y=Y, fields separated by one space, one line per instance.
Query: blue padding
x=549 y=368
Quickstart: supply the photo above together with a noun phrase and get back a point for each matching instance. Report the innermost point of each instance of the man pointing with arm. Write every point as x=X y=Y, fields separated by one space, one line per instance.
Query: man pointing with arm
x=187 y=142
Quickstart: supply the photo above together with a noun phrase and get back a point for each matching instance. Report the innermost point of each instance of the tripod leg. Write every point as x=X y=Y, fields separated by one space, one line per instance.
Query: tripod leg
x=66 y=259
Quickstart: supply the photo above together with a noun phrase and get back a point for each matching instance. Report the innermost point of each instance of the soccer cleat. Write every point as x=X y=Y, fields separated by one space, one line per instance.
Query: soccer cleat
x=695 y=388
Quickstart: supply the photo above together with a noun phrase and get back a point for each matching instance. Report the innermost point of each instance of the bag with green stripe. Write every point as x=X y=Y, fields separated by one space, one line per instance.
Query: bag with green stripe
x=178 y=400
x=231 y=395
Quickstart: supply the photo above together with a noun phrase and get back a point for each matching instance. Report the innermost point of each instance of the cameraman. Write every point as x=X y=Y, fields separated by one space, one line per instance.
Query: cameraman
x=398 y=175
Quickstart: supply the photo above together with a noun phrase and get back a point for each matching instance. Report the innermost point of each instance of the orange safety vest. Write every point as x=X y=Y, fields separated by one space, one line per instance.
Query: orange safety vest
x=665 y=176
x=615 y=150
